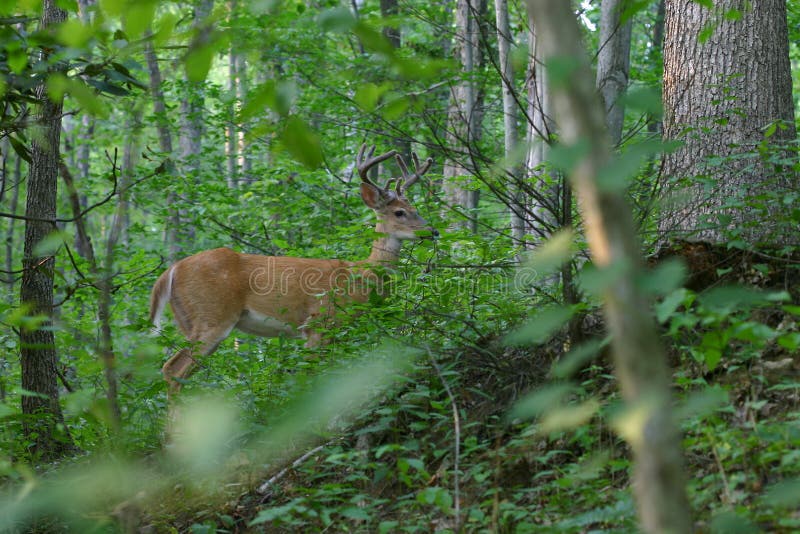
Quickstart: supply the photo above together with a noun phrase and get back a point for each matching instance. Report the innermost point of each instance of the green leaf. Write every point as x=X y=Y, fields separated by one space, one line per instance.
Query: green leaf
x=17 y=60
x=548 y=257
x=114 y=8
x=784 y=494
x=302 y=143
x=164 y=28
x=198 y=62
x=665 y=278
x=74 y=33
x=541 y=327
x=646 y=100
x=395 y=108
x=6 y=410
x=700 y=403
x=706 y=33
x=541 y=400
x=596 y=280
x=790 y=341
x=733 y=15
x=566 y=157
x=568 y=417
x=338 y=19
x=436 y=496
x=373 y=40
x=354 y=512
x=712 y=346
x=367 y=96
x=617 y=174
x=729 y=522
x=752 y=331
x=671 y=302
x=562 y=69
x=275 y=95
x=86 y=98
x=575 y=359
x=139 y=17
x=50 y=244
x=726 y=299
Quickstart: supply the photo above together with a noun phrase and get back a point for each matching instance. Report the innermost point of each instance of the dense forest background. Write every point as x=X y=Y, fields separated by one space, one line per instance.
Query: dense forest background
x=604 y=337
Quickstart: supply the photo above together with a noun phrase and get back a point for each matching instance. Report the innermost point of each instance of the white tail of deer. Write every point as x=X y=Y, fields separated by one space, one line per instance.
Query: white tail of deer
x=215 y=291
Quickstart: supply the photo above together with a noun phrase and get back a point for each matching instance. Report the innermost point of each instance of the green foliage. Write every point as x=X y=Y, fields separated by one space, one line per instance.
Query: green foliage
x=497 y=402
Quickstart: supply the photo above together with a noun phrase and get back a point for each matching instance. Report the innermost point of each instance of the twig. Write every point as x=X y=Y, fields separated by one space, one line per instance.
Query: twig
x=264 y=488
x=726 y=491
x=457 y=445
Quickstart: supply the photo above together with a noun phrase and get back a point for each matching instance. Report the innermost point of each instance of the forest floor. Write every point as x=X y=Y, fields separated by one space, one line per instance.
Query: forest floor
x=440 y=454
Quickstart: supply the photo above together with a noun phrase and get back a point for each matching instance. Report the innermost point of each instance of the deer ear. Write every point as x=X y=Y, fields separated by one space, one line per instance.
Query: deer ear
x=372 y=196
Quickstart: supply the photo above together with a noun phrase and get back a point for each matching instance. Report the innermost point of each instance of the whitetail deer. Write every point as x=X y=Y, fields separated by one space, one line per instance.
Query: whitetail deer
x=215 y=291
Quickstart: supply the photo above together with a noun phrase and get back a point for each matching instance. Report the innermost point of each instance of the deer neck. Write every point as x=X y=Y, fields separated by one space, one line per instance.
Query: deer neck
x=385 y=251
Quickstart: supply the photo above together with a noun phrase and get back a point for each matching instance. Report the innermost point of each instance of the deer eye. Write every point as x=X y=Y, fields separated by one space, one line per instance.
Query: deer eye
x=399 y=213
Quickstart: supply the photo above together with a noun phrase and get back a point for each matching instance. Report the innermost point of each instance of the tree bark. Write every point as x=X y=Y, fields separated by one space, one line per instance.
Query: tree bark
x=544 y=194
x=639 y=359
x=656 y=57
x=43 y=422
x=719 y=95
x=463 y=120
x=613 y=64
x=505 y=41
x=102 y=280
x=191 y=133
x=13 y=189
x=165 y=145
x=231 y=131
x=392 y=34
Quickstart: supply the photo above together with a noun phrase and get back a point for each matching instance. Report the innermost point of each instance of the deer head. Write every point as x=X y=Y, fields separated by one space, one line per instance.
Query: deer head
x=396 y=216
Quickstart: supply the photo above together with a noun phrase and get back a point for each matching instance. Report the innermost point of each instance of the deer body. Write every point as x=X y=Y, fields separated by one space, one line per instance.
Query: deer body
x=215 y=291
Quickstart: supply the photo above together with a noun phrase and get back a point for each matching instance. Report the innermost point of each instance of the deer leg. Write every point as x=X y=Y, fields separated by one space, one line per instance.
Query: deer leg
x=181 y=365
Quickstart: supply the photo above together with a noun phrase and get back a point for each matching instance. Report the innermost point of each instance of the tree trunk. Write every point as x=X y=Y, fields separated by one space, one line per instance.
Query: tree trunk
x=165 y=144
x=656 y=57
x=719 y=96
x=43 y=419
x=231 y=131
x=15 y=179
x=639 y=359
x=391 y=32
x=102 y=280
x=613 y=64
x=516 y=202
x=463 y=116
x=543 y=193
x=191 y=134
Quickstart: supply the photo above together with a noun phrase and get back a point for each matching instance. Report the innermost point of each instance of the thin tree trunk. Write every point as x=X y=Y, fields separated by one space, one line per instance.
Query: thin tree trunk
x=392 y=33
x=505 y=41
x=613 y=64
x=463 y=116
x=244 y=162
x=719 y=96
x=231 y=131
x=129 y=159
x=657 y=58
x=544 y=192
x=15 y=179
x=640 y=362
x=43 y=419
x=191 y=131
x=165 y=144
x=103 y=281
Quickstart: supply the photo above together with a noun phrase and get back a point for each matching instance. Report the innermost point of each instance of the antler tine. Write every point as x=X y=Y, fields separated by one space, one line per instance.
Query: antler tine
x=409 y=180
x=365 y=166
